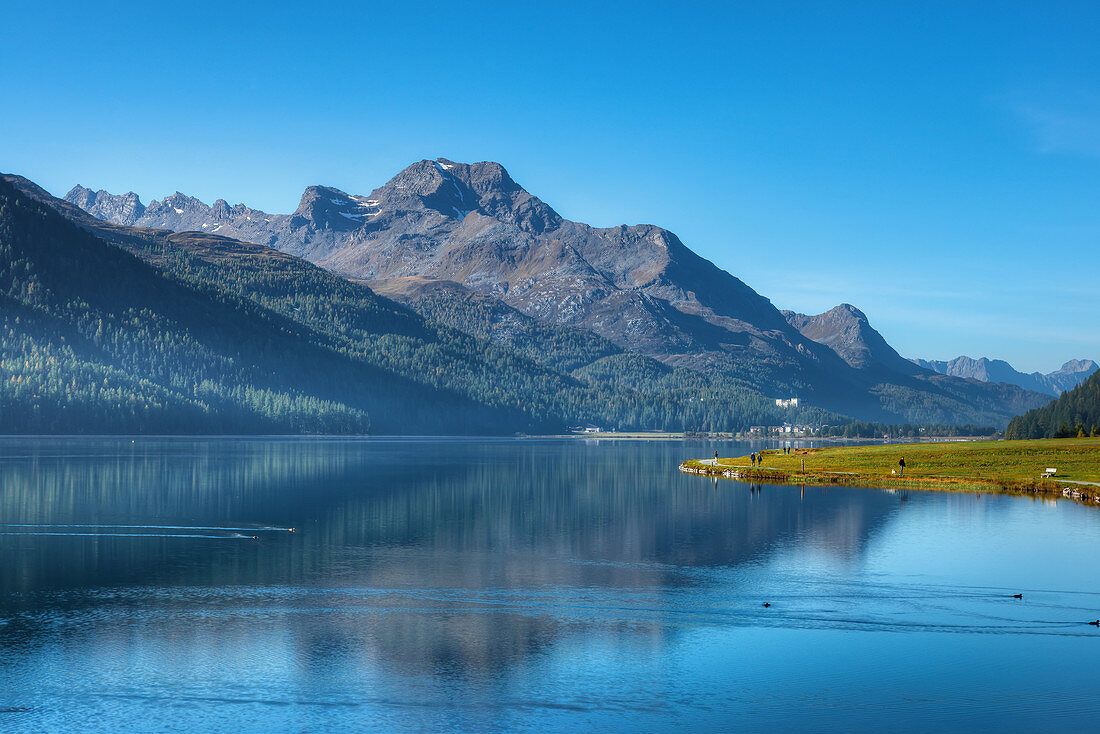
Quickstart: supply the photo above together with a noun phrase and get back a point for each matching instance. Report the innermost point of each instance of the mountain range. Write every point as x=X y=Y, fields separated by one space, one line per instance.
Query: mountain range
x=638 y=286
x=113 y=328
x=1070 y=375
x=623 y=308
x=144 y=331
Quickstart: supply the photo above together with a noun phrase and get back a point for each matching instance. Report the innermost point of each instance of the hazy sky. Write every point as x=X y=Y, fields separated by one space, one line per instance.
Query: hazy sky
x=937 y=165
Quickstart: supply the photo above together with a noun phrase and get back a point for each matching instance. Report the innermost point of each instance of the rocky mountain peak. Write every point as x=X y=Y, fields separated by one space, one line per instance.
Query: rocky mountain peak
x=1078 y=365
x=325 y=207
x=501 y=197
x=850 y=310
x=220 y=210
x=178 y=202
x=843 y=319
x=455 y=189
x=121 y=209
x=846 y=330
x=81 y=194
x=428 y=185
x=485 y=177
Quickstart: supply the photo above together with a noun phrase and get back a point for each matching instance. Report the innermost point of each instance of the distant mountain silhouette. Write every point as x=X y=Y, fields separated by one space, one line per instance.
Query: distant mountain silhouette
x=1071 y=374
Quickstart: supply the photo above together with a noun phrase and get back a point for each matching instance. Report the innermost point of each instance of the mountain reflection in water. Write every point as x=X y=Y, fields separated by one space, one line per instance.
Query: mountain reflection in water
x=474 y=577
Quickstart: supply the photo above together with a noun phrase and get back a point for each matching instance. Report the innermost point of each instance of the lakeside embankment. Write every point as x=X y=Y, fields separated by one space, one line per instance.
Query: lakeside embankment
x=1000 y=466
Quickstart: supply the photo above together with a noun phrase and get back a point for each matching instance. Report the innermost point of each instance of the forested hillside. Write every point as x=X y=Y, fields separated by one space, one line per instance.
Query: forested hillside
x=1075 y=413
x=200 y=333
x=94 y=340
x=687 y=398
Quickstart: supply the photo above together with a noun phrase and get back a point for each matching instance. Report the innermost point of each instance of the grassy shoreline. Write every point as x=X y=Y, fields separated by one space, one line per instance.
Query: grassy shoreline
x=999 y=466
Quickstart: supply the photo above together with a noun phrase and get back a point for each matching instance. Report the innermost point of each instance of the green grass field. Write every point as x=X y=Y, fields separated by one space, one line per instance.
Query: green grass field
x=1009 y=465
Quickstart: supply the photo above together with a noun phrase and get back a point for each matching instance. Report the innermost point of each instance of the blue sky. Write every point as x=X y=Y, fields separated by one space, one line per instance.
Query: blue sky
x=935 y=164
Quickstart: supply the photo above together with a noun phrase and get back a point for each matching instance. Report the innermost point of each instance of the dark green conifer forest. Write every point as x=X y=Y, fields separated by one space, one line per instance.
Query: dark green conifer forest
x=1076 y=413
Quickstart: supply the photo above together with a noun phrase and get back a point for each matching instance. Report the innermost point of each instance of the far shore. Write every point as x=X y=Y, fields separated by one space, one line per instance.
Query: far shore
x=1018 y=467
x=659 y=435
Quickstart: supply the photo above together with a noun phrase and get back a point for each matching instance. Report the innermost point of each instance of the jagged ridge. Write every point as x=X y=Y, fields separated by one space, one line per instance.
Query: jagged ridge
x=1071 y=374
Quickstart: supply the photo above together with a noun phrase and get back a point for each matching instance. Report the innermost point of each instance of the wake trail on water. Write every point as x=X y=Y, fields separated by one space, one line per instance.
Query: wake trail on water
x=144 y=527
x=129 y=535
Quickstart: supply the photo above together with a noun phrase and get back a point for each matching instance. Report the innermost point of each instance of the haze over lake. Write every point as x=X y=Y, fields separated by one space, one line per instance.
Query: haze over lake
x=522 y=584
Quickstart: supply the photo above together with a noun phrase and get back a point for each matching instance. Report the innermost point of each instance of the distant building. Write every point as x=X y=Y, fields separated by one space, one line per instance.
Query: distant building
x=788 y=429
x=787 y=403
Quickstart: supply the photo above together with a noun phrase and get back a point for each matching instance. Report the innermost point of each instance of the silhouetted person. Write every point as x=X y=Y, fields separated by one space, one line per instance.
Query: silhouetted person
x=901 y=467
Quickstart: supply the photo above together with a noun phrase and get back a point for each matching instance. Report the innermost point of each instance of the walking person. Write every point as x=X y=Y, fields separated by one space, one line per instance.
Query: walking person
x=716 y=458
x=752 y=458
x=901 y=467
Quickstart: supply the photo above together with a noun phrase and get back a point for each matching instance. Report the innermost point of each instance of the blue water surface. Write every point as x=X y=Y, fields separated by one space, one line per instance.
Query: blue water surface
x=530 y=585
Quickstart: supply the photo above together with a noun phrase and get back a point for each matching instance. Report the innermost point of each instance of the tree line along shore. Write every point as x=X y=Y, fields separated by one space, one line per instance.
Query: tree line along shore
x=1005 y=466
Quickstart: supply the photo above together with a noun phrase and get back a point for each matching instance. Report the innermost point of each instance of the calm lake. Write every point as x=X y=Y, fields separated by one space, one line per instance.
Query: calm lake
x=534 y=585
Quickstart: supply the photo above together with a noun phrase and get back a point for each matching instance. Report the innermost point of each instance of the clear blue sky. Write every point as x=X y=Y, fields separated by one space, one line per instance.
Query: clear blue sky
x=935 y=164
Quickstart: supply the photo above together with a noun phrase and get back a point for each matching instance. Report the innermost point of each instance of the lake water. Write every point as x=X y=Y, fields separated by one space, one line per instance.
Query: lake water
x=530 y=585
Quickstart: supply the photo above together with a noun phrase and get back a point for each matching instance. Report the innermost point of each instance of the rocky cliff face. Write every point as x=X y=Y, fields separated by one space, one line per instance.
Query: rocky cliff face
x=1071 y=374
